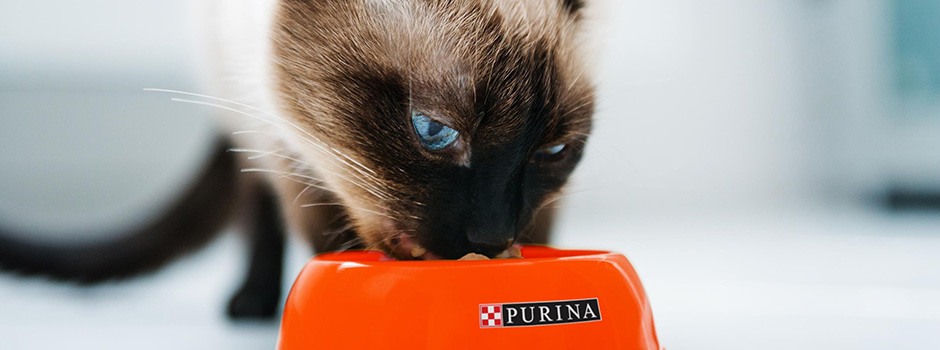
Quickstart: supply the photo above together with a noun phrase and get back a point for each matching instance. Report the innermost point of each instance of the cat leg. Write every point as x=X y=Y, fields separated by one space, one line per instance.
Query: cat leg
x=260 y=293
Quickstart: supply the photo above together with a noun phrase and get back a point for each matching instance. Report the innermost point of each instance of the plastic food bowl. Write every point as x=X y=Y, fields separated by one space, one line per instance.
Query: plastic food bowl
x=550 y=299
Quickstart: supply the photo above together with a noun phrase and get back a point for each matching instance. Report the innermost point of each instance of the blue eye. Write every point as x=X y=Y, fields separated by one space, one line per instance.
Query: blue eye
x=550 y=151
x=433 y=135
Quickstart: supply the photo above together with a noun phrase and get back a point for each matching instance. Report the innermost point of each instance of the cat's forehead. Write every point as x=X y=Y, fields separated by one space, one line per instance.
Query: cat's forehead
x=532 y=16
x=443 y=38
x=503 y=54
x=459 y=59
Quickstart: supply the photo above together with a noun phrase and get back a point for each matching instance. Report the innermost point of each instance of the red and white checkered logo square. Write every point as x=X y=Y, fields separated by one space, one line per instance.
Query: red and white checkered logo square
x=491 y=315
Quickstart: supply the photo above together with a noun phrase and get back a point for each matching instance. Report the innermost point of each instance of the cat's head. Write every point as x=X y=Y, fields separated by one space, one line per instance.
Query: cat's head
x=439 y=124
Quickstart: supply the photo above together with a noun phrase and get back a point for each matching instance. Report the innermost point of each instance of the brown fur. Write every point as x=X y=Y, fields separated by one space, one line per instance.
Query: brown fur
x=500 y=72
x=345 y=76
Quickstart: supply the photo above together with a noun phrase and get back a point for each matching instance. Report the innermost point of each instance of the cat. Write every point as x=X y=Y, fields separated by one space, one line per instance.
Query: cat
x=427 y=129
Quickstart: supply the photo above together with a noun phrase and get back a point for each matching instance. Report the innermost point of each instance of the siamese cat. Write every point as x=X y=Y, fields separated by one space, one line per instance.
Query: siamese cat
x=427 y=129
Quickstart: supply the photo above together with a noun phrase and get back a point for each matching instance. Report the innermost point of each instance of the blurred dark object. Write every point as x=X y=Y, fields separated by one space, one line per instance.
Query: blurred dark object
x=904 y=199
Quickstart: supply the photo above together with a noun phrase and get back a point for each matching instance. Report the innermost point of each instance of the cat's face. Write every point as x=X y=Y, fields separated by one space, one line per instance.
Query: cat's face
x=442 y=125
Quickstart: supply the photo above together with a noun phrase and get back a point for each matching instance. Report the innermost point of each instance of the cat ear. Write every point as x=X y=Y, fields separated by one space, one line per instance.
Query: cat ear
x=572 y=6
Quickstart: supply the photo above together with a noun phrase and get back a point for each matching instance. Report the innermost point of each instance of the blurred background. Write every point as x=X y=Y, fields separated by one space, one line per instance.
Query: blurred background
x=772 y=168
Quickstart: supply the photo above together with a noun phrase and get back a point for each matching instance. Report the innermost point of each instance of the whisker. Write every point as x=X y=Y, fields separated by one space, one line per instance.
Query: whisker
x=301 y=193
x=260 y=170
x=345 y=228
x=310 y=205
x=289 y=176
x=261 y=154
x=360 y=167
x=333 y=153
x=246 y=132
x=374 y=190
x=350 y=244
x=563 y=195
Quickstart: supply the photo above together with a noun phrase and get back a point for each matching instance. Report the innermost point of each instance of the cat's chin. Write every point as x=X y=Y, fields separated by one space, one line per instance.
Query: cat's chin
x=404 y=247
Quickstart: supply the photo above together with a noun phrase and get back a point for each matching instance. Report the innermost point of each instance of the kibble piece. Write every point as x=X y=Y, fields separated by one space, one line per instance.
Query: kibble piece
x=512 y=253
x=474 y=256
x=418 y=251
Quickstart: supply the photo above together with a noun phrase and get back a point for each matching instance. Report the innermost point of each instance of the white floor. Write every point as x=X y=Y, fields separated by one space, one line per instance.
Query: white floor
x=838 y=281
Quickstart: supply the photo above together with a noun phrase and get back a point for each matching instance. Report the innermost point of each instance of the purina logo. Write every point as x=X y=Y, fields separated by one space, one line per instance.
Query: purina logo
x=539 y=313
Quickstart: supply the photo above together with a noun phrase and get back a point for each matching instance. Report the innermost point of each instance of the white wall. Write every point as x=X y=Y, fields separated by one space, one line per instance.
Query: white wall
x=700 y=109
x=874 y=139
x=700 y=106
x=95 y=45
x=82 y=146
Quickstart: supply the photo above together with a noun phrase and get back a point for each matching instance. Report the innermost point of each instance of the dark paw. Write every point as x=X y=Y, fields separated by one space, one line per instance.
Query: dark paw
x=253 y=304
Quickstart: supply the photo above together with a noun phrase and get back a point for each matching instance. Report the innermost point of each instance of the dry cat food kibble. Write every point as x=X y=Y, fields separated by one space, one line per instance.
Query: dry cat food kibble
x=474 y=256
x=512 y=253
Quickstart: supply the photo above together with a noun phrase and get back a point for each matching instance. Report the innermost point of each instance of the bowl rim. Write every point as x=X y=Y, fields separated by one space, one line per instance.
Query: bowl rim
x=536 y=254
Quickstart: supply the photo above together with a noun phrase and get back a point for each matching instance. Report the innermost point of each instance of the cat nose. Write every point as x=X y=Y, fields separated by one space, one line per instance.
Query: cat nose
x=490 y=243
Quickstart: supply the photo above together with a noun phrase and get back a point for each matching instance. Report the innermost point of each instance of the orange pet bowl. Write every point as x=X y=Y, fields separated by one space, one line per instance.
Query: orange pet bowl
x=550 y=299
